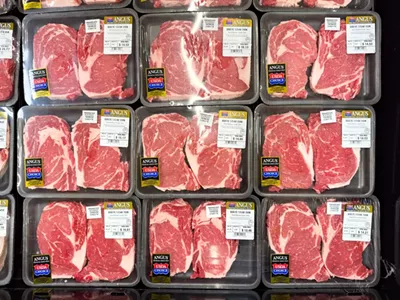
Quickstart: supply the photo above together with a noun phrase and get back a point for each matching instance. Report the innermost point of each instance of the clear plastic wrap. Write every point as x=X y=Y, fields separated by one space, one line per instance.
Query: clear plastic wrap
x=33 y=235
x=216 y=44
x=355 y=169
x=312 y=5
x=93 y=293
x=7 y=153
x=238 y=263
x=349 y=294
x=206 y=170
x=200 y=294
x=89 y=75
x=10 y=66
x=6 y=6
x=316 y=87
x=329 y=259
x=7 y=239
x=84 y=167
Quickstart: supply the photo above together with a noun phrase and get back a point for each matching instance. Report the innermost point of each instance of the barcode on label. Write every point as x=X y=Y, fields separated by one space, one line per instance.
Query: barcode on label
x=89 y=116
x=334 y=208
x=239 y=234
x=356 y=235
x=213 y=211
x=118 y=233
x=210 y=24
x=92 y=26
x=206 y=119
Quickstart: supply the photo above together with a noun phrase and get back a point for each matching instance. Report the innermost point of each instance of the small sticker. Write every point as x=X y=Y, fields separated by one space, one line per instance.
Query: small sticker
x=210 y=24
x=332 y=24
x=328 y=116
x=360 y=34
x=3 y=130
x=39 y=83
x=334 y=208
x=118 y=34
x=160 y=268
x=270 y=171
x=6 y=40
x=206 y=119
x=3 y=217
x=232 y=129
x=114 y=127
x=150 y=170
x=34 y=176
x=277 y=78
x=93 y=212
x=41 y=269
x=32 y=4
x=89 y=116
x=213 y=211
x=237 y=37
x=280 y=268
x=92 y=26
x=240 y=220
x=357 y=222
x=356 y=129
x=155 y=78
x=118 y=220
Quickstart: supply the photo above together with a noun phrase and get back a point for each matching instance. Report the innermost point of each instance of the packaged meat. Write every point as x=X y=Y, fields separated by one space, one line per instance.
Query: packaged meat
x=101 y=251
x=81 y=59
x=320 y=242
x=305 y=62
x=7 y=222
x=212 y=162
x=45 y=6
x=10 y=39
x=323 y=294
x=309 y=150
x=71 y=152
x=74 y=293
x=7 y=140
x=200 y=294
x=313 y=5
x=217 y=66
x=192 y=243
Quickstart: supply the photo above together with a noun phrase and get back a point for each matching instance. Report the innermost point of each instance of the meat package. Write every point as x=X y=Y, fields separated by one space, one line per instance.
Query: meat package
x=85 y=293
x=191 y=163
x=322 y=242
x=193 y=233
x=323 y=294
x=7 y=140
x=72 y=60
x=311 y=157
x=312 y=5
x=200 y=294
x=83 y=241
x=7 y=222
x=10 y=39
x=318 y=68
x=71 y=152
x=211 y=67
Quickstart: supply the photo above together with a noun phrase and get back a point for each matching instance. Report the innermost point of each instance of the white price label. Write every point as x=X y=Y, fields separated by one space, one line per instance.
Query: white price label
x=356 y=129
x=3 y=130
x=232 y=129
x=357 y=224
x=360 y=35
x=118 y=35
x=332 y=24
x=3 y=217
x=210 y=24
x=118 y=223
x=328 y=116
x=114 y=128
x=89 y=116
x=93 y=212
x=92 y=26
x=6 y=40
x=240 y=220
x=213 y=211
x=206 y=119
x=334 y=208
x=237 y=38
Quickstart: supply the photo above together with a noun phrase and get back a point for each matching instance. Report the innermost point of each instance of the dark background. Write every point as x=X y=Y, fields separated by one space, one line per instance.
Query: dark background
x=387 y=165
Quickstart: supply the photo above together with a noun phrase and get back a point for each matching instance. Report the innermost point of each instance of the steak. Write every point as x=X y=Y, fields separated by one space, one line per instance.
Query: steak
x=170 y=3
x=194 y=65
x=60 y=3
x=164 y=136
x=327 y=3
x=295 y=44
x=336 y=73
x=98 y=167
x=213 y=167
x=170 y=233
x=61 y=233
x=334 y=165
x=48 y=137
x=292 y=230
x=195 y=3
x=7 y=69
x=4 y=155
x=342 y=259
x=108 y=259
x=100 y=75
x=55 y=48
x=280 y=3
x=287 y=137
x=213 y=254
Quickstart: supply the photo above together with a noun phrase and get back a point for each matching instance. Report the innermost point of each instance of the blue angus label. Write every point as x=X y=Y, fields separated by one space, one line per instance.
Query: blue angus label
x=150 y=171
x=160 y=268
x=41 y=269
x=280 y=268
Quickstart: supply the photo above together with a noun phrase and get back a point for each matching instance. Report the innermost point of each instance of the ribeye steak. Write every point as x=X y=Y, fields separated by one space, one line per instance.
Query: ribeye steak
x=60 y=3
x=327 y=3
x=280 y=3
x=7 y=69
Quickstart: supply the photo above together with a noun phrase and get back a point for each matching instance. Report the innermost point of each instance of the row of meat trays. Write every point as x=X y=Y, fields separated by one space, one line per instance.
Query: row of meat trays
x=50 y=41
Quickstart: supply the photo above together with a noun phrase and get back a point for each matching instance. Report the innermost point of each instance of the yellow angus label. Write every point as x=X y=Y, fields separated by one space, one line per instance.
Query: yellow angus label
x=32 y=4
x=34 y=175
x=118 y=20
x=232 y=22
x=356 y=114
x=231 y=114
x=3 y=115
x=3 y=203
x=6 y=26
x=111 y=112
x=118 y=205
x=360 y=19
x=240 y=205
x=359 y=208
